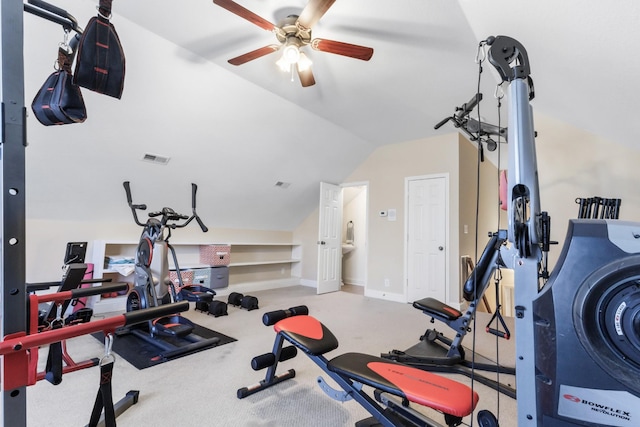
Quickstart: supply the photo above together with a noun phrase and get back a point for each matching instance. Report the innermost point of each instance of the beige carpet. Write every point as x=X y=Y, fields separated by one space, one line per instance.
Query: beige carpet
x=200 y=389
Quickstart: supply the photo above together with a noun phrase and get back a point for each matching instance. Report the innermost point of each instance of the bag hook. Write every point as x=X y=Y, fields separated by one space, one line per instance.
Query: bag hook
x=102 y=15
x=108 y=346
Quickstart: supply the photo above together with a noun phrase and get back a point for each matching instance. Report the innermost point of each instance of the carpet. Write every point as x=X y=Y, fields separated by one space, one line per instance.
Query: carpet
x=141 y=353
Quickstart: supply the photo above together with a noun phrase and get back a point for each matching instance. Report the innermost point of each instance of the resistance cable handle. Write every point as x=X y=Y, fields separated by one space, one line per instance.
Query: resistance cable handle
x=461 y=112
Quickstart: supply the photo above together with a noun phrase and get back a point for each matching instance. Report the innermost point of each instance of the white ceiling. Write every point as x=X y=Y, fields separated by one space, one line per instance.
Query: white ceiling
x=236 y=131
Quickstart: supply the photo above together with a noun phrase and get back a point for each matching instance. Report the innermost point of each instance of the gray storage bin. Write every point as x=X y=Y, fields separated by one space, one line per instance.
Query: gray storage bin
x=211 y=277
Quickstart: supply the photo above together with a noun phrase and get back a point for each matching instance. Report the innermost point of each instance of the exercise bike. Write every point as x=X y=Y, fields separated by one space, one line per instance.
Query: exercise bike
x=174 y=335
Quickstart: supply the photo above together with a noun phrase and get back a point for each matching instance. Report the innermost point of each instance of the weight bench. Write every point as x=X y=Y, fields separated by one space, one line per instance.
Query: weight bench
x=436 y=352
x=395 y=385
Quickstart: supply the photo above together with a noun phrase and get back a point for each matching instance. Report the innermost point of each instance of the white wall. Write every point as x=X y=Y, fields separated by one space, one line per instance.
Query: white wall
x=572 y=163
x=47 y=240
x=385 y=171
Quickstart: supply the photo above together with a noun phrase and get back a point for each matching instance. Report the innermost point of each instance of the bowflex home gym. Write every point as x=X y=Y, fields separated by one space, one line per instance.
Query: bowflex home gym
x=576 y=327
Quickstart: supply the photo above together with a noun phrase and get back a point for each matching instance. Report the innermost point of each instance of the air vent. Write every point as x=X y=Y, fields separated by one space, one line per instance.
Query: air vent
x=154 y=158
x=282 y=184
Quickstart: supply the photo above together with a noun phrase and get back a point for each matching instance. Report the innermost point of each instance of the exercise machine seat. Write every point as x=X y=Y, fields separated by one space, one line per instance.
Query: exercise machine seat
x=413 y=384
x=308 y=334
x=433 y=307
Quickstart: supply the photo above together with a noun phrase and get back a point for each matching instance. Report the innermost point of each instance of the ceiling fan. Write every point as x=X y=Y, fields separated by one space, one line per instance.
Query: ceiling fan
x=293 y=33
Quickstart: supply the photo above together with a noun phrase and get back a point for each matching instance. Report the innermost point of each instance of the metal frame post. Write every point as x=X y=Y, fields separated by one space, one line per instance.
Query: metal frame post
x=512 y=63
x=12 y=202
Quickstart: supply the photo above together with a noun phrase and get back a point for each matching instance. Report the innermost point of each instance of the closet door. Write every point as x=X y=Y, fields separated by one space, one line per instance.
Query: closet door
x=426 y=238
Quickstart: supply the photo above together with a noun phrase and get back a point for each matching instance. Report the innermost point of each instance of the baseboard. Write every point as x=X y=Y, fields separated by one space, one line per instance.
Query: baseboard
x=309 y=283
x=385 y=295
x=248 y=287
x=352 y=281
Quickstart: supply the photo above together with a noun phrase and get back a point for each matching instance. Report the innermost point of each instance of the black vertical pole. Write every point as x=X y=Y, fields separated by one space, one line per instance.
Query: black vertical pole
x=12 y=201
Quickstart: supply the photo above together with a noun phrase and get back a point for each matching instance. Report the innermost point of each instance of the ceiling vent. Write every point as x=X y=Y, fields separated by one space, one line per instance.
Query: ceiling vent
x=282 y=184
x=154 y=158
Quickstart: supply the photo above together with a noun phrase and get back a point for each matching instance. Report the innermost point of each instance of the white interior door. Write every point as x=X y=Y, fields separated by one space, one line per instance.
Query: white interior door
x=329 y=238
x=426 y=238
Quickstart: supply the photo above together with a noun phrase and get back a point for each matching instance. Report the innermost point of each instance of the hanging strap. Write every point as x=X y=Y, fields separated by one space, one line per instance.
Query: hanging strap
x=105 y=8
x=53 y=370
x=103 y=30
x=104 y=398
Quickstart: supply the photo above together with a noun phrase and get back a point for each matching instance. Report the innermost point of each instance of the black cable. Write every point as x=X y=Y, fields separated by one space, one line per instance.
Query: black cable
x=498 y=306
x=475 y=278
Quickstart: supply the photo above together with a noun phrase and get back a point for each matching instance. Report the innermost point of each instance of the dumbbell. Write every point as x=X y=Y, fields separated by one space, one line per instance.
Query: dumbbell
x=247 y=302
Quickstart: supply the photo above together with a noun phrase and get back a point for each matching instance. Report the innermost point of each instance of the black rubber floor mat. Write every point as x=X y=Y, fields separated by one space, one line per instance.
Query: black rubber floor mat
x=142 y=354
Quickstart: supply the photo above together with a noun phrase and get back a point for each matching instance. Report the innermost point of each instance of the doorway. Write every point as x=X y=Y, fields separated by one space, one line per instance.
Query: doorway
x=354 y=235
x=342 y=237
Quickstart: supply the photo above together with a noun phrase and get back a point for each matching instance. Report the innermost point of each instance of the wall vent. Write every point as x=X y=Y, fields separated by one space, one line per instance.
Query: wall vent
x=283 y=184
x=154 y=158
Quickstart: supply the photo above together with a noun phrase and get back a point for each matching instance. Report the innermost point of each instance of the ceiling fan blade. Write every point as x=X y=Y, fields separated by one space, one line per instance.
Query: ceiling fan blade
x=344 y=49
x=242 y=12
x=313 y=11
x=306 y=77
x=254 y=54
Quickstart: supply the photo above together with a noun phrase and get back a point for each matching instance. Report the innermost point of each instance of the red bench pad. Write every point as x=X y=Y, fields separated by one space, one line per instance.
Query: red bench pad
x=416 y=385
x=308 y=334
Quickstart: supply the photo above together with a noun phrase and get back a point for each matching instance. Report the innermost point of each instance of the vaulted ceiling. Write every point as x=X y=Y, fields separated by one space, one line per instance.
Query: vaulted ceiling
x=237 y=130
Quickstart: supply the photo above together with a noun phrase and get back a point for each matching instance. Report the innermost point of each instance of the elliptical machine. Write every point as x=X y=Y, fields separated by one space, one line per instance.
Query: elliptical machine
x=152 y=290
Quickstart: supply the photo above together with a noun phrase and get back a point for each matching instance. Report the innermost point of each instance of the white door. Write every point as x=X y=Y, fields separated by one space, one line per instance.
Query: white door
x=329 y=238
x=426 y=238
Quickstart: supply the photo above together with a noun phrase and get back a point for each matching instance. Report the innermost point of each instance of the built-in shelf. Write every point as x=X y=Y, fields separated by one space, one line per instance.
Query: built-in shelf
x=252 y=265
x=244 y=264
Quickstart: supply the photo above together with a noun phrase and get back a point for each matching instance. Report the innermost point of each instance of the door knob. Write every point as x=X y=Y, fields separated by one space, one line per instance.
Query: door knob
x=322 y=242
x=440 y=248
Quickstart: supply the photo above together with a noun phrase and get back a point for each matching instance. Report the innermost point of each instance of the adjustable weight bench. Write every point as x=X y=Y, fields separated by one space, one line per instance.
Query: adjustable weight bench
x=436 y=352
x=395 y=385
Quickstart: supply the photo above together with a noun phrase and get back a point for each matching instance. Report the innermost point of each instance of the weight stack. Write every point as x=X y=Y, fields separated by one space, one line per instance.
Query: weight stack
x=587 y=329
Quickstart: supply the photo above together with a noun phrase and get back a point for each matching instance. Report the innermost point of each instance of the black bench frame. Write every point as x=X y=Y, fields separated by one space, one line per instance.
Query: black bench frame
x=436 y=352
x=396 y=410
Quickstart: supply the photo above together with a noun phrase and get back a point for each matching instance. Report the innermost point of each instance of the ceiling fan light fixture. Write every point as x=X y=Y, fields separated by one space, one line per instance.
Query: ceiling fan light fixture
x=304 y=63
x=291 y=53
x=283 y=65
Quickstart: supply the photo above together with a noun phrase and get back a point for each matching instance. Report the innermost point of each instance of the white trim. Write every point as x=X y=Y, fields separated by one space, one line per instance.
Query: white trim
x=447 y=279
x=310 y=283
x=264 y=285
x=355 y=282
x=388 y=296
